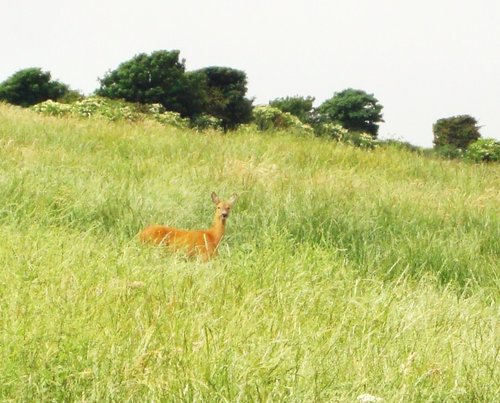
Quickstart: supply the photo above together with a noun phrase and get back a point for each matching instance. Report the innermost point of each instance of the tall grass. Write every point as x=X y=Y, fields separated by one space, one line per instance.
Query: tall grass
x=343 y=271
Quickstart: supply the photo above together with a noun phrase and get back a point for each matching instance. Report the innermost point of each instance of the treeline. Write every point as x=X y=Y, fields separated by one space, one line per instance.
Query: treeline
x=220 y=92
x=217 y=97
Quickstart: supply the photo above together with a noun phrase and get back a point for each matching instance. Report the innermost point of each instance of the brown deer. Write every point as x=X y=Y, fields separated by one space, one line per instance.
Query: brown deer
x=203 y=243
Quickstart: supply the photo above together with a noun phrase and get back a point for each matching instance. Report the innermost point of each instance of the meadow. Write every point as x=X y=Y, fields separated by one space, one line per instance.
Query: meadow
x=343 y=271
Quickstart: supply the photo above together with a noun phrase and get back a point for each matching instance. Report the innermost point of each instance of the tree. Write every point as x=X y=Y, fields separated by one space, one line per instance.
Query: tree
x=31 y=86
x=302 y=107
x=456 y=132
x=225 y=95
x=354 y=110
x=194 y=97
x=156 y=78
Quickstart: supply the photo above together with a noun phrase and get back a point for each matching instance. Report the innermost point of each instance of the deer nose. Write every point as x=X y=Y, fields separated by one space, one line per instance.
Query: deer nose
x=224 y=215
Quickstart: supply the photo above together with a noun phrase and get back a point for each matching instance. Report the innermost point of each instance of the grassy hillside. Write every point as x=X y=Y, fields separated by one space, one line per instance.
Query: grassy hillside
x=343 y=271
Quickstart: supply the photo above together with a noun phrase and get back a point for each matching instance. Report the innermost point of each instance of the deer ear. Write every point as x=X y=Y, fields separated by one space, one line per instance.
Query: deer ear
x=215 y=198
x=233 y=199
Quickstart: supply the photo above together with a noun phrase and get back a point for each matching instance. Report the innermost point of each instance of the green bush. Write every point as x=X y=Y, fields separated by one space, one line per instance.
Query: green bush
x=206 y=122
x=169 y=118
x=302 y=107
x=112 y=110
x=332 y=130
x=152 y=109
x=336 y=132
x=360 y=139
x=271 y=118
x=487 y=150
x=108 y=109
x=92 y=106
x=52 y=108
x=449 y=151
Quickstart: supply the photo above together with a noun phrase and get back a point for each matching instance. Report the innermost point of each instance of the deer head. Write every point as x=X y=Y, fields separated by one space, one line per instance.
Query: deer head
x=223 y=208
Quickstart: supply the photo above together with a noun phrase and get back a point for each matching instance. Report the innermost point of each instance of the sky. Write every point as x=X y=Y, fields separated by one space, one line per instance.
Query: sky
x=423 y=60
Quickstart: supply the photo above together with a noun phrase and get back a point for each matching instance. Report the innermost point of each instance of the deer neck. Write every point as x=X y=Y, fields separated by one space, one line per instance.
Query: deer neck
x=217 y=229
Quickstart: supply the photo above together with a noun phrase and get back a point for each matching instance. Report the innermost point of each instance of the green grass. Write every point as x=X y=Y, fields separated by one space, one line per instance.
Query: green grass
x=343 y=271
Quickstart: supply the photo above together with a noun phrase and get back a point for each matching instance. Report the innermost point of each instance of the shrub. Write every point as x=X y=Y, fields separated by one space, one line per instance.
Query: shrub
x=52 y=108
x=360 y=139
x=449 y=151
x=169 y=118
x=271 y=118
x=88 y=107
x=487 y=150
x=158 y=113
x=112 y=110
x=302 y=107
x=153 y=109
x=336 y=132
x=332 y=130
x=207 y=122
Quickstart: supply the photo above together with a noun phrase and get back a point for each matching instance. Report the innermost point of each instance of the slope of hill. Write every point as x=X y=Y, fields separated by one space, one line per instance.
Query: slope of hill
x=343 y=271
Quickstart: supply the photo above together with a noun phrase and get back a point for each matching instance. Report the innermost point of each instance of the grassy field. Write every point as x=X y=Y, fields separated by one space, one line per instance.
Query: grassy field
x=342 y=272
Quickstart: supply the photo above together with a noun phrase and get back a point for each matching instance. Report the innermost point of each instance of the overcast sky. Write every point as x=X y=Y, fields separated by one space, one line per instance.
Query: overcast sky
x=423 y=60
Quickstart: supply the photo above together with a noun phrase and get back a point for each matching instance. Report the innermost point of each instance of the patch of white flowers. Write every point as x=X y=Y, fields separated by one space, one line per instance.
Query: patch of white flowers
x=155 y=108
x=111 y=110
x=207 y=122
x=483 y=150
x=339 y=133
x=335 y=131
x=169 y=118
x=88 y=107
x=52 y=108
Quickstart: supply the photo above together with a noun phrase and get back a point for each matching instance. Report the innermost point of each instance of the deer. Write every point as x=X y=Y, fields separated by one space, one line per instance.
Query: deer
x=202 y=243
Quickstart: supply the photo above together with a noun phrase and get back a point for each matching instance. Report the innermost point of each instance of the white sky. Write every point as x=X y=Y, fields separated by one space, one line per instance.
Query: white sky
x=423 y=60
